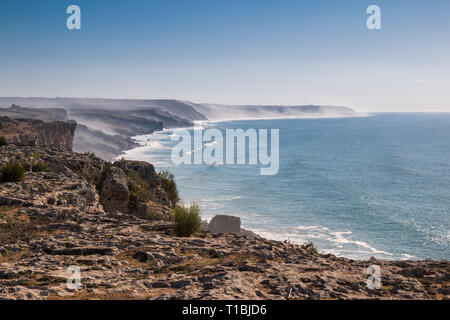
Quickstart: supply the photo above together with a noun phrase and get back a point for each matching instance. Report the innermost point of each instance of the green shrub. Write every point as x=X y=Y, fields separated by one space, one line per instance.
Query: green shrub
x=12 y=172
x=153 y=214
x=37 y=155
x=40 y=166
x=187 y=220
x=310 y=247
x=169 y=185
x=103 y=174
x=3 y=141
x=139 y=189
x=90 y=154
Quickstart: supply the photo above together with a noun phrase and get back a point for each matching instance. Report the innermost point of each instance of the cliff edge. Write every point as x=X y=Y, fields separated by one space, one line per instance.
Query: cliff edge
x=38 y=133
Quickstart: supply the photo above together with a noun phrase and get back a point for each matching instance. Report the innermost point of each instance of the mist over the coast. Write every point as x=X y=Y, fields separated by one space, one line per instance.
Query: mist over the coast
x=106 y=126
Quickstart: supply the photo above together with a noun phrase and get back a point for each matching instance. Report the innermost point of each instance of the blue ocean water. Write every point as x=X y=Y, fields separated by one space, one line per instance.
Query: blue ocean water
x=356 y=187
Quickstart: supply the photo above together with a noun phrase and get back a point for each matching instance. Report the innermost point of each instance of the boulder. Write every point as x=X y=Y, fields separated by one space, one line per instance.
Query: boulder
x=115 y=194
x=150 y=210
x=225 y=224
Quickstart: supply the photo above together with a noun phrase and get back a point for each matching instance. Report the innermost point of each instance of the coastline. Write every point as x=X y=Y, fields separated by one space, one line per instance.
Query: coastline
x=303 y=231
x=146 y=145
x=68 y=221
x=359 y=115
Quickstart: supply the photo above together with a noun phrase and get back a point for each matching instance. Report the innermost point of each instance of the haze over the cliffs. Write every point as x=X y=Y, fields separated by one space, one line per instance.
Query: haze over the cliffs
x=217 y=112
x=106 y=126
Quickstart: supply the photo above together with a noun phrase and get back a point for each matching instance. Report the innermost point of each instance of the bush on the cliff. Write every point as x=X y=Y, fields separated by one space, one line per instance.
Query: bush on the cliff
x=310 y=247
x=139 y=189
x=169 y=185
x=40 y=166
x=3 y=141
x=187 y=220
x=12 y=172
x=103 y=174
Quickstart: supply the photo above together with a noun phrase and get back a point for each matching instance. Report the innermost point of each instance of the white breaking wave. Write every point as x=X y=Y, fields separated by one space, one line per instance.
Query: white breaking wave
x=333 y=242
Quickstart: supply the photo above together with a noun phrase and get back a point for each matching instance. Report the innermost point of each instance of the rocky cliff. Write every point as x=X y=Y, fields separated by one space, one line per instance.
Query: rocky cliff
x=82 y=211
x=38 y=133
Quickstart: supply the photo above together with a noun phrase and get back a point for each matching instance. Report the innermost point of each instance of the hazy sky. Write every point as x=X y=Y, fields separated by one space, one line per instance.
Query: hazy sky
x=231 y=52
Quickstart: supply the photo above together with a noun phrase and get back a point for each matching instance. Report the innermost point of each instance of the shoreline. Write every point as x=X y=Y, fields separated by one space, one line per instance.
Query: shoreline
x=123 y=255
x=136 y=138
x=341 y=234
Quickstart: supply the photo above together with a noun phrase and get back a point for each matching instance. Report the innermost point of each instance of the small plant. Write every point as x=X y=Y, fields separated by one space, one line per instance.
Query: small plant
x=37 y=155
x=12 y=172
x=310 y=247
x=387 y=289
x=40 y=166
x=241 y=259
x=62 y=197
x=169 y=185
x=90 y=154
x=187 y=220
x=152 y=214
x=139 y=189
x=3 y=141
x=103 y=174
x=90 y=174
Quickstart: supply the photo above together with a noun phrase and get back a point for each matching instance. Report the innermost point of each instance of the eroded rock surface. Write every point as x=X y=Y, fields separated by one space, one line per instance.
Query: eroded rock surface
x=114 y=191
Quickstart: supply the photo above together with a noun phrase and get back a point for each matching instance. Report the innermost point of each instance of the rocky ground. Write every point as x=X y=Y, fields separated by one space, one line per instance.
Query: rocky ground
x=56 y=219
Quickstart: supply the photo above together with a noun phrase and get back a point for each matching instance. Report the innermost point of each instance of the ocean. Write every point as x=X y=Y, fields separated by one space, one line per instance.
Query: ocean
x=360 y=187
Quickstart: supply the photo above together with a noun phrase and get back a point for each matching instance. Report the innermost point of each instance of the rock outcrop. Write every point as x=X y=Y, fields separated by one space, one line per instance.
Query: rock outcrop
x=114 y=191
x=38 y=133
x=112 y=181
x=144 y=169
x=134 y=187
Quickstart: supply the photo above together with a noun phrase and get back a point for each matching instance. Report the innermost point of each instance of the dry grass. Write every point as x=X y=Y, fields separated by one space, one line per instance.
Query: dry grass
x=11 y=257
x=18 y=226
x=126 y=295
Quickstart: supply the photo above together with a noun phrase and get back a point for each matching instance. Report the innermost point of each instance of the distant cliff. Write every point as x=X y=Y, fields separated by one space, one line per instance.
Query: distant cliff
x=107 y=126
x=102 y=145
x=37 y=132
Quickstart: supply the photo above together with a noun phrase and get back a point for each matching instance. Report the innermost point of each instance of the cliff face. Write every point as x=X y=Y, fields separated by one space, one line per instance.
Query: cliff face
x=38 y=133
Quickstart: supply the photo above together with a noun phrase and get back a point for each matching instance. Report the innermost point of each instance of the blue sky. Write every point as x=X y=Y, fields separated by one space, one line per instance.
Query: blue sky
x=231 y=52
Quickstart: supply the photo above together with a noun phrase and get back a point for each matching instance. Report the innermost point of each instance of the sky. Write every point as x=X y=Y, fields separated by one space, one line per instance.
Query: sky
x=271 y=52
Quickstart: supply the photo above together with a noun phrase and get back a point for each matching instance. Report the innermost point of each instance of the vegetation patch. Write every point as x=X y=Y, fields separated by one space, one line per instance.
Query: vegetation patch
x=139 y=189
x=3 y=141
x=153 y=215
x=16 y=226
x=387 y=289
x=91 y=175
x=310 y=247
x=11 y=257
x=187 y=220
x=63 y=197
x=37 y=155
x=12 y=172
x=42 y=281
x=169 y=185
x=40 y=166
x=103 y=174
